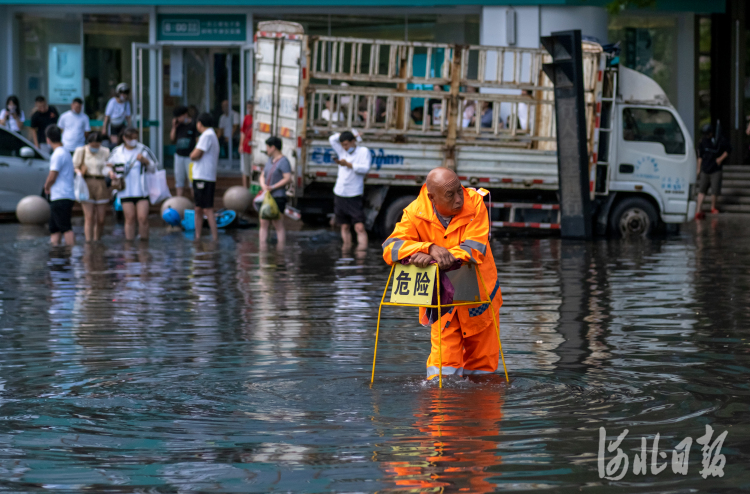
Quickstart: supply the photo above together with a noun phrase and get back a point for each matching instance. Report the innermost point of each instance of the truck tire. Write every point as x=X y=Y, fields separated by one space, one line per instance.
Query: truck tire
x=633 y=217
x=393 y=215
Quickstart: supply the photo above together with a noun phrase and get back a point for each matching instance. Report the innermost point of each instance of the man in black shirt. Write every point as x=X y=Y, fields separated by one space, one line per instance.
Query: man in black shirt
x=712 y=153
x=43 y=116
x=183 y=135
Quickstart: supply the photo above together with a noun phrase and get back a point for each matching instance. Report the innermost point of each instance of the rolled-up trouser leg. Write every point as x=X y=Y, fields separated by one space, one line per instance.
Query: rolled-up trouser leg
x=453 y=350
x=481 y=352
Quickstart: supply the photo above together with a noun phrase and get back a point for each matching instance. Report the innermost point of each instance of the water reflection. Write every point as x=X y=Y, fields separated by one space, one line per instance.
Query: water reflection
x=177 y=366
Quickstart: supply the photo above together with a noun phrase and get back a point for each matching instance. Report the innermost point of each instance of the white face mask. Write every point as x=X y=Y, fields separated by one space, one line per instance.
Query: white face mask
x=131 y=143
x=93 y=149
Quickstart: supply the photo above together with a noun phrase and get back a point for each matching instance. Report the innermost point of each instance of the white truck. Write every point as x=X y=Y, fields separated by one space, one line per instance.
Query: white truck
x=486 y=112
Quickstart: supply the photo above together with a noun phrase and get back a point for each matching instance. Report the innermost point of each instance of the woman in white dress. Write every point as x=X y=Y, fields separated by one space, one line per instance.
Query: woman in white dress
x=135 y=159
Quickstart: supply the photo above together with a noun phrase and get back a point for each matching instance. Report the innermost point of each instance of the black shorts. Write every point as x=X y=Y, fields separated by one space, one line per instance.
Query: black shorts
x=712 y=180
x=203 y=193
x=348 y=210
x=60 y=212
x=115 y=130
x=281 y=203
x=134 y=200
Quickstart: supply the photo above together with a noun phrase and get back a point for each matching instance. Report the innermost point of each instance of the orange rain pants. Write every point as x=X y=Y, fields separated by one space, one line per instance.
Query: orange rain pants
x=463 y=355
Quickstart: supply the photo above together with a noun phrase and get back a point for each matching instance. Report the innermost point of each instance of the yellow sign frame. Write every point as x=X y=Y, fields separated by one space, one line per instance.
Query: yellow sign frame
x=439 y=306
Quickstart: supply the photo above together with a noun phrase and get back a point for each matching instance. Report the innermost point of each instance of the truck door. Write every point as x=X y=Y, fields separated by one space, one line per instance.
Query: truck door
x=279 y=62
x=654 y=154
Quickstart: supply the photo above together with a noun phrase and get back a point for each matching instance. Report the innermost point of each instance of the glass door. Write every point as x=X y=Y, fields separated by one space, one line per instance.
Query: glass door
x=148 y=96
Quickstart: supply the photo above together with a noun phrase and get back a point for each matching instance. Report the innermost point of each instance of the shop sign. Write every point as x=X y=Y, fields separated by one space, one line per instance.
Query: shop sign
x=65 y=73
x=202 y=27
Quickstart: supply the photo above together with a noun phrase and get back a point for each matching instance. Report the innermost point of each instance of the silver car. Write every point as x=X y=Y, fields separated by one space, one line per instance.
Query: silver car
x=23 y=169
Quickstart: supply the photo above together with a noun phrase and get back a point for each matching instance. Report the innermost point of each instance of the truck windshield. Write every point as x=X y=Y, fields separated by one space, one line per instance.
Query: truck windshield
x=652 y=125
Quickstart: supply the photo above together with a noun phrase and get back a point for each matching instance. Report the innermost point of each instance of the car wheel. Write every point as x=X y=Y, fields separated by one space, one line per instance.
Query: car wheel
x=633 y=217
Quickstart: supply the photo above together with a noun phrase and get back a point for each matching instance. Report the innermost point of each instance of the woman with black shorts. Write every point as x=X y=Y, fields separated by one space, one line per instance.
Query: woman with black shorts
x=137 y=160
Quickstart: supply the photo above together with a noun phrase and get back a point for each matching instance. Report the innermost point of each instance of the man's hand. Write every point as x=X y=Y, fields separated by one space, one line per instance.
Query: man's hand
x=47 y=190
x=444 y=258
x=344 y=163
x=421 y=260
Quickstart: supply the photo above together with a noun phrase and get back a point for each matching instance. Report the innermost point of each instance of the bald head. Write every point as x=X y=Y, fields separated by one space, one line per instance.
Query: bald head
x=445 y=191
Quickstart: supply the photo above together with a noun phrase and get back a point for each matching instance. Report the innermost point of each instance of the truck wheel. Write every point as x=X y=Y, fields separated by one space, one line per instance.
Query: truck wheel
x=393 y=214
x=633 y=217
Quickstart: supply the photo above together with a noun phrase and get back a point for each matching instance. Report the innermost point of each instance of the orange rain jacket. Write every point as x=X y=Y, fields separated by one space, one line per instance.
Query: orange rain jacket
x=467 y=238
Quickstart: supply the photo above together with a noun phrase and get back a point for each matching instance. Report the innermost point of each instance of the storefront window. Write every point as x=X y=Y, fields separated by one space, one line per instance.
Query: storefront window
x=72 y=56
x=107 y=41
x=49 y=61
x=648 y=45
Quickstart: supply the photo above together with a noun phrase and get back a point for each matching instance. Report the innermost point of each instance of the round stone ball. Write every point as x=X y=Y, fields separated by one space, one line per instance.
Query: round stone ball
x=33 y=210
x=237 y=198
x=178 y=203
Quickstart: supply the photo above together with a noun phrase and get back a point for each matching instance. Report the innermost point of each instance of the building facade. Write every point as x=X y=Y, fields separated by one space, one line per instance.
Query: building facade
x=695 y=49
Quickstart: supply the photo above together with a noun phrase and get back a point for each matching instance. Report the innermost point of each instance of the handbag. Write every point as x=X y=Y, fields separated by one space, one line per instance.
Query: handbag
x=259 y=199
x=158 y=190
x=80 y=189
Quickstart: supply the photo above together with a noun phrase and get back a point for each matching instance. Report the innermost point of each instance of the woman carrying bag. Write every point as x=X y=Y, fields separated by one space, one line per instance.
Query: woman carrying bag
x=274 y=179
x=137 y=161
x=91 y=162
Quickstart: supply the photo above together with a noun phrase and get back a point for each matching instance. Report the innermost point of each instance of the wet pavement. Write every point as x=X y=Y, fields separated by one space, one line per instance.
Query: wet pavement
x=171 y=367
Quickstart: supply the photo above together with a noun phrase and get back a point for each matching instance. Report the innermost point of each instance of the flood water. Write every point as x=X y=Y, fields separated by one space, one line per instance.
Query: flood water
x=171 y=367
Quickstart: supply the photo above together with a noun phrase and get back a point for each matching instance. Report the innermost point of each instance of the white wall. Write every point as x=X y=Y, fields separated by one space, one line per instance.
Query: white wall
x=492 y=30
x=535 y=21
x=685 y=103
x=592 y=21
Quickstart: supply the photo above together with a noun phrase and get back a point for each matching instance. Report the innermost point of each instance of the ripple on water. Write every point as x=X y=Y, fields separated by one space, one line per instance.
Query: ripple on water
x=166 y=366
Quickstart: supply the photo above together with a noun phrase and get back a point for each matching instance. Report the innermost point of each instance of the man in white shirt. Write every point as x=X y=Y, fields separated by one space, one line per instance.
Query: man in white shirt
x=205 y=158
x=117 y=114
x=354 y=163
x=75 y=126
x=59 y=188
x=229 y=124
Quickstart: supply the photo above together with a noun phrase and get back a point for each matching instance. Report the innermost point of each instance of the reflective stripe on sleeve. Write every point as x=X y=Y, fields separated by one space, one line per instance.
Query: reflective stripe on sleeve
x=475 y=245
x=389 y=242
x=394 y=250
x=468 y=251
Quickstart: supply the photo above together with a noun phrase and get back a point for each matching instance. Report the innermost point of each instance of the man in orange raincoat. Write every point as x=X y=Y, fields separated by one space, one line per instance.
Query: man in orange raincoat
x=447 y=223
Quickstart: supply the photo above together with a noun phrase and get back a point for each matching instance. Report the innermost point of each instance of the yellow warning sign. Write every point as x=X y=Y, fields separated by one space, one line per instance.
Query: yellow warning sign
x=413 y=285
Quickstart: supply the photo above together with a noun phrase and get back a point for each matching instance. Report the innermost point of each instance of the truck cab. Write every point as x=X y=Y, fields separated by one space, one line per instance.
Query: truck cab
x=653 y=175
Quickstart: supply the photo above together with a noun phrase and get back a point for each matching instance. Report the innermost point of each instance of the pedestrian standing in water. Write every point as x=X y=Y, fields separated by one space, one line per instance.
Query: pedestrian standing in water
x=183 y=136
x=713 y=151
x=246 y=145
x=445 y=224
x=205 y=158
x=91 y=161
x=354 y=162
x=136 y=160
x=276 y=175
x=59 y=189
